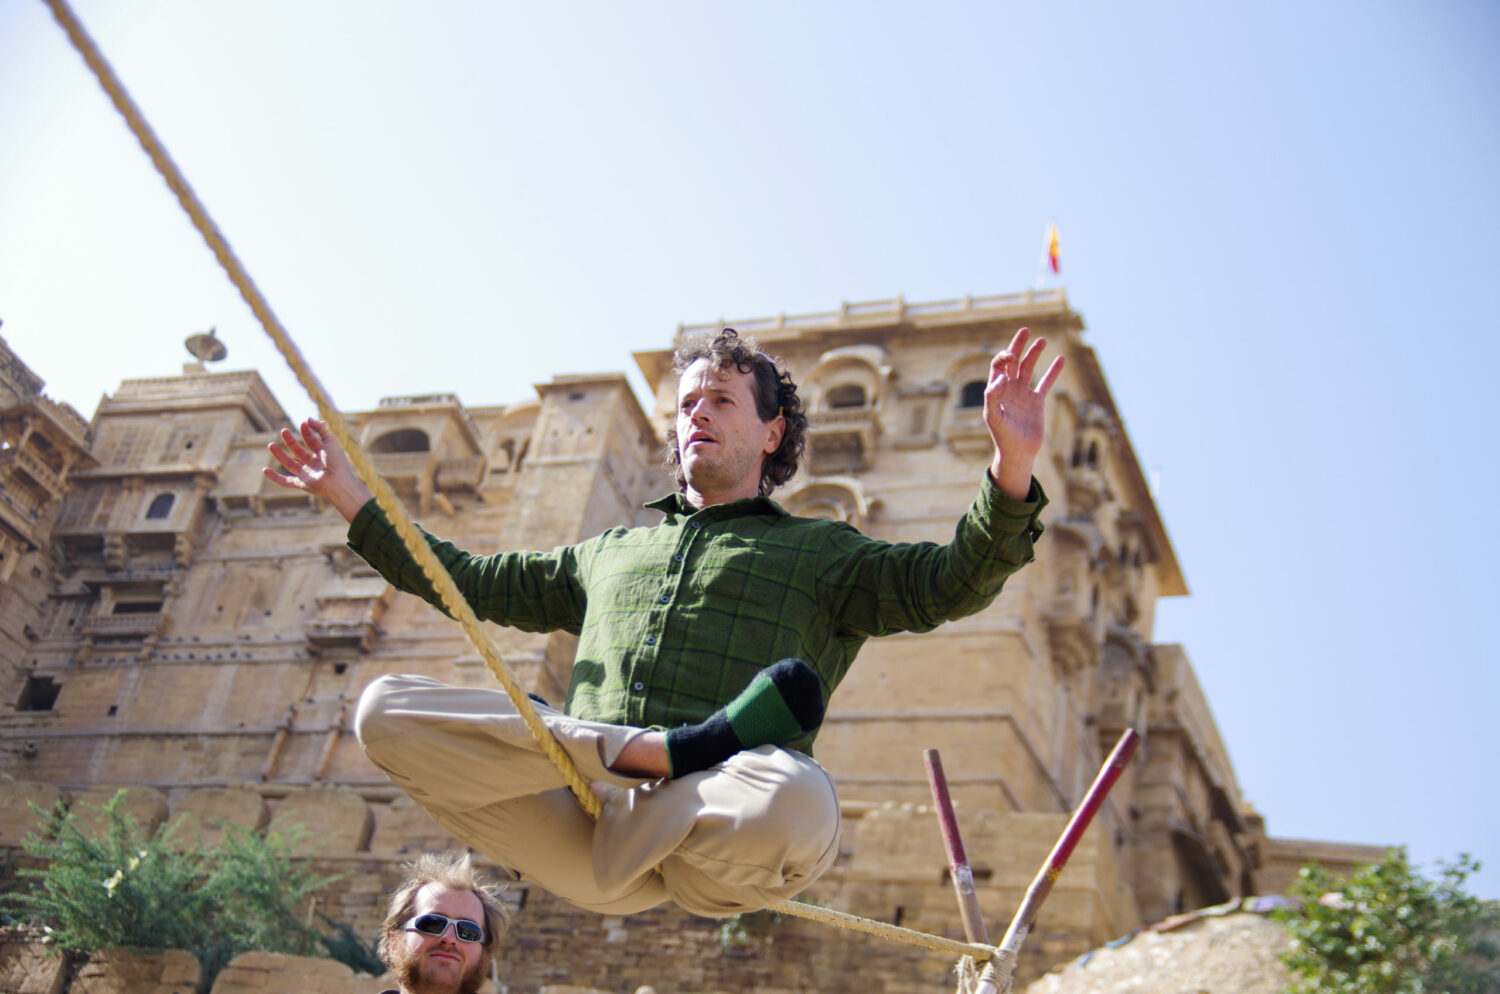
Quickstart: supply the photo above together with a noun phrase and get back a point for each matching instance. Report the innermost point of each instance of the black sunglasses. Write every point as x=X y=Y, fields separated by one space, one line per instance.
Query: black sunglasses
x=433 y=923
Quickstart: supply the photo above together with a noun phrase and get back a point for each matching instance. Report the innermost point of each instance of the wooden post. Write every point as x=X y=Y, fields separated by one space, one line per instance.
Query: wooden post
x=997 y=975
x=958 y=860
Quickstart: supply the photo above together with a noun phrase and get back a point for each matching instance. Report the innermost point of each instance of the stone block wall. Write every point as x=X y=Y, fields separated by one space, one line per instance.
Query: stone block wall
x=892 y=869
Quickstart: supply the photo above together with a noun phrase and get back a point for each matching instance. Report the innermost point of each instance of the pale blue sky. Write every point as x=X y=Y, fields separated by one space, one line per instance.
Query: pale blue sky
x=1278 y=222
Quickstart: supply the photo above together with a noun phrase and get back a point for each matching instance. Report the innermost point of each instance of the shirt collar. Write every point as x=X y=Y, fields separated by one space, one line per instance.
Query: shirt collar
x=675 y=505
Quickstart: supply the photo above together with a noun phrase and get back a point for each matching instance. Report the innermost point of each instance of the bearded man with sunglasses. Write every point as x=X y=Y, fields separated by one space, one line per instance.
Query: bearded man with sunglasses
x=698 y=743
x=442 y=927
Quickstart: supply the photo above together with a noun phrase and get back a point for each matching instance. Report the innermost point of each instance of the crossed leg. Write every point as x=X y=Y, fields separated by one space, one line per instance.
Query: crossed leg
x=749 y=832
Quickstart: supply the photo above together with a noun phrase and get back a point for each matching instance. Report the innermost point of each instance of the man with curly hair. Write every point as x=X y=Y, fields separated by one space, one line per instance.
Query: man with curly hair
x=442 y=926
x=700 y=750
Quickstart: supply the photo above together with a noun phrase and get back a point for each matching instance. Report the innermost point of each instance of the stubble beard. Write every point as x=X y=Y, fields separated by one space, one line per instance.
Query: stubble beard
x=714 y=475
x=409 y=975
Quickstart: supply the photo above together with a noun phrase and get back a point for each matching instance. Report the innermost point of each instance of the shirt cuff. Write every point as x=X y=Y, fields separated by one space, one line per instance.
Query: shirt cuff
x=367 y=520
x=1008 y=515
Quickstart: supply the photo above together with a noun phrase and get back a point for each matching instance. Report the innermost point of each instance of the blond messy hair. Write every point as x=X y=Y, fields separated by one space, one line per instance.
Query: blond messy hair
x=454 y=870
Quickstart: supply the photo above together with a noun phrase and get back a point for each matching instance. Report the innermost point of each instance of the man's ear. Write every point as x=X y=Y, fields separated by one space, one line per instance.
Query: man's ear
x=777 y=426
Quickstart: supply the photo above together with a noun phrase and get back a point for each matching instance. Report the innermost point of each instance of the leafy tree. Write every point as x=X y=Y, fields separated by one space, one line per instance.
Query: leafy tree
x=1389 y=930
x=120 y=887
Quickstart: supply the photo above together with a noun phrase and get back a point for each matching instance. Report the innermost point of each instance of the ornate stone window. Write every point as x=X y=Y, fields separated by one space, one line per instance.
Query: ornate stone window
x=161 y=506
x=844 y=396
x=964 y=428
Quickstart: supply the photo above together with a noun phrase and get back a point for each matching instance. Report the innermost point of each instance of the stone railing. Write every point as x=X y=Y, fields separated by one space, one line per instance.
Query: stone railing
x=893 y=310
x=122 y=624
x=403 y=466
x=434 y=400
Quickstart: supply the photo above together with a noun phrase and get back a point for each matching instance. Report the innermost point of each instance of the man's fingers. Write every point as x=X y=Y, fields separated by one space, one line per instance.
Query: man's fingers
x=285 y=481
x=282 y=457
x=1050 y=376
x=294 y=445
x=1018 y=343
x=1030 y=359
x=316 y=433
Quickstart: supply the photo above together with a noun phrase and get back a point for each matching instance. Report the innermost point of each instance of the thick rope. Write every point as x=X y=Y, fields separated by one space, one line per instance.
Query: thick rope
x=447 y=590
x=896 y=933
x=431 y=568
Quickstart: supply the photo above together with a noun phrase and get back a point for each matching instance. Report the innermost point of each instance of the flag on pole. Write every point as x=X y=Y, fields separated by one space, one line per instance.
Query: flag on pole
x=1052 y=247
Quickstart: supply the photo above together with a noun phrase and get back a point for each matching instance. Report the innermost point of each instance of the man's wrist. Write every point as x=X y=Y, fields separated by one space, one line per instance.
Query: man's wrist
x=349 y=500
x=1011 y=477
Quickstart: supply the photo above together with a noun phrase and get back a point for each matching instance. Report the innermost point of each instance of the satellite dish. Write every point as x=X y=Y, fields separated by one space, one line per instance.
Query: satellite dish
x=206 y=347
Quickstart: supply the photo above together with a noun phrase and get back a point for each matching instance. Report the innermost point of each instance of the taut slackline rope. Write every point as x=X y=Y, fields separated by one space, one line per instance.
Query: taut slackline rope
x=433 y=570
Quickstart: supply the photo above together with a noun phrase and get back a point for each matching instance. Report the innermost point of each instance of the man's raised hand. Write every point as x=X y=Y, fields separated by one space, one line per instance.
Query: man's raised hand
x=316 y=464
x=1013 y=410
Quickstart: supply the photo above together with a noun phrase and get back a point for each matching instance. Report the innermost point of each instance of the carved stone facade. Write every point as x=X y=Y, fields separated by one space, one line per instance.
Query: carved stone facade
x=173 y=621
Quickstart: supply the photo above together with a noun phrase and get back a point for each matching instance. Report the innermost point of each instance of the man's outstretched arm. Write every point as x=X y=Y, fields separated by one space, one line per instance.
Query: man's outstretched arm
x=315 y=463
x=1014 y=412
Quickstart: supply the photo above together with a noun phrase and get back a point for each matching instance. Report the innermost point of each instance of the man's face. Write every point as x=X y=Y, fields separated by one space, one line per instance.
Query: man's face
x=721 y=440
x=440 y=964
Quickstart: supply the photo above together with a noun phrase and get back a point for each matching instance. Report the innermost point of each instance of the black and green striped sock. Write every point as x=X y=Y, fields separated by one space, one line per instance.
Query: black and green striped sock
x=783 y=702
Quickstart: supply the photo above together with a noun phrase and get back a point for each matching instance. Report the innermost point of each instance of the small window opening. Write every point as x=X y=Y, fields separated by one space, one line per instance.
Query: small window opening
x=1093 y=455
x=339 y=668
x=402 y=440
x=846 y=396
x=137 y=607
x=161 y=506
x=39 y=694
x=972 y=395
x=113 y=709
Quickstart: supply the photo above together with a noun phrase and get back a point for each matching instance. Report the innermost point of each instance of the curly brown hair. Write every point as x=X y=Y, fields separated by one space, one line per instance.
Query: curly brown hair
x=775 y=394
x=454 y=870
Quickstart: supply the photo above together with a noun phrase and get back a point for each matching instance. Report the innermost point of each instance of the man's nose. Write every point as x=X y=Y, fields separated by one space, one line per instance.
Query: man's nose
x=698 y=414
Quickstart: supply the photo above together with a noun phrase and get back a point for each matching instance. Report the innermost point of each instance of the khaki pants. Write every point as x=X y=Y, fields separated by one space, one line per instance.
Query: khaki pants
x=745 y=834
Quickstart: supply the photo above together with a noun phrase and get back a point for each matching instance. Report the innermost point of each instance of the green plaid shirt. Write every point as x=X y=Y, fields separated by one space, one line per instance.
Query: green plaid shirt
x=674 y=620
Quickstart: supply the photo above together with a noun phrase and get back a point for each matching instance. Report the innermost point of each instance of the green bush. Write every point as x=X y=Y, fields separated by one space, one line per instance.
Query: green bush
x=120 y=887
x=1389 y=930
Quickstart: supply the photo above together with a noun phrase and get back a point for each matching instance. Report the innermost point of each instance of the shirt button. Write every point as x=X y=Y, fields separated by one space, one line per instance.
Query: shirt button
x=640 y=686
x=697 y=524
x=677 y=558
x=650 y=639
x=666 y=598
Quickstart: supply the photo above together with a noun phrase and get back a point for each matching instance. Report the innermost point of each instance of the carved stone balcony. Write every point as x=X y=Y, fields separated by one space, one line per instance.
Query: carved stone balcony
x=461 y=474
x=406 y=471
x=348 y=614
x=1086 y=489
x=122 y=625
x=13 y=458
x=969 y=438
x=842 y=441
